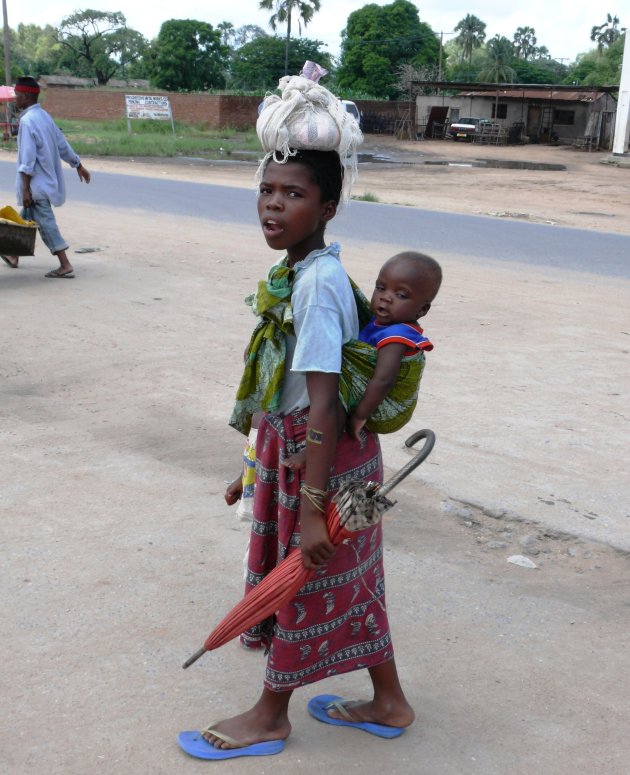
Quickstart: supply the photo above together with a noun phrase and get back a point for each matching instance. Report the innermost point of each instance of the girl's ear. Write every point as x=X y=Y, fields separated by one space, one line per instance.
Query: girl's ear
x=329 y=210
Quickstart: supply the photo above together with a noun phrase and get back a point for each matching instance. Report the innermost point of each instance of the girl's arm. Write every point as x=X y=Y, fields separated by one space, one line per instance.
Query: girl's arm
x=321 y=441
x=383 y=380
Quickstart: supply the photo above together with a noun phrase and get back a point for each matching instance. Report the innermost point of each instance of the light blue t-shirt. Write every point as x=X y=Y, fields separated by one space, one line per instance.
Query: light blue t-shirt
x=41 y=147
x=324 y=318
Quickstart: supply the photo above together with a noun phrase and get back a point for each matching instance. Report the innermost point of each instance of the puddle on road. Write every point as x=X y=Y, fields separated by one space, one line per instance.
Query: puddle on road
x=500 y=164
x=255 y=156
x=251 y=156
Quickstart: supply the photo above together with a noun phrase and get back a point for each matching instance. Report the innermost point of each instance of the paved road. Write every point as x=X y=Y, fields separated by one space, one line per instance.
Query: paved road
x=475 y=236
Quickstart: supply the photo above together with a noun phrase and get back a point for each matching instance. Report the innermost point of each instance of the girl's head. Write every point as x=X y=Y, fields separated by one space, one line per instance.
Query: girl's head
x=297 y=198
x=405 y=287
x=325 y=170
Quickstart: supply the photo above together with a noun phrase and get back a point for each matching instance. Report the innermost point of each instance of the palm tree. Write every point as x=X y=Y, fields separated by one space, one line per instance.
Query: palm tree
x=283 y=11
x=607 y=33
x=472 y=33
x=226 y=29
x=500 y=53
x=525 y=42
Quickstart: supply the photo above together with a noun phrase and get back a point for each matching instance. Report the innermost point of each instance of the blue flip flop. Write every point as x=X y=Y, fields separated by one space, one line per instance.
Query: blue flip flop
x=196 y=745
x=319 y=706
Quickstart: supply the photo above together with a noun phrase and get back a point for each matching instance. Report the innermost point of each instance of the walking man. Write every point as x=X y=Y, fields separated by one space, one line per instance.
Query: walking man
x=40 y=182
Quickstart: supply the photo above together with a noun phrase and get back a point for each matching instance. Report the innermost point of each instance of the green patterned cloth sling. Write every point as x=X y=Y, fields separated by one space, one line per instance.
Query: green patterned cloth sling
x=260 y=388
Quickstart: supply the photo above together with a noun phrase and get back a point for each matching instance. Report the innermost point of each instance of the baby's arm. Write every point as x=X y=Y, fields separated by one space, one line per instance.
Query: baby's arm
x=382 y=381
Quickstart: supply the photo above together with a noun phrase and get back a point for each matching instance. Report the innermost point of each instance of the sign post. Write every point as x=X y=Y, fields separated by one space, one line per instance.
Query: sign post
x=154 y=108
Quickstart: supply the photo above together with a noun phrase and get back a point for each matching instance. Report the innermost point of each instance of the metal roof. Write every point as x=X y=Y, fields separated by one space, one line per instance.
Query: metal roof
x=536 y=88
x=536 y=94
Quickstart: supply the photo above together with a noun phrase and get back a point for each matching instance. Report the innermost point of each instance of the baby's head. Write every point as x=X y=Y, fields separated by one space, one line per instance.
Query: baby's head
x=405 y=287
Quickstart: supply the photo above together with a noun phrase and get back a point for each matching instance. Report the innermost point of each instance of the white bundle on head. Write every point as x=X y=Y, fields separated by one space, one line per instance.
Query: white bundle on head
x=306 y=116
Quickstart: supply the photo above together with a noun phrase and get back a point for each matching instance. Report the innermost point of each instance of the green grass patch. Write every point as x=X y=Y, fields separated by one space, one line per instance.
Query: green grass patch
x=368 y=196
x=155 y=138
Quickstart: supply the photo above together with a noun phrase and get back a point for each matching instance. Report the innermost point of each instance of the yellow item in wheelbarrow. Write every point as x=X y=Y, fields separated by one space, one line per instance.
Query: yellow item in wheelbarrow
x=17 y=236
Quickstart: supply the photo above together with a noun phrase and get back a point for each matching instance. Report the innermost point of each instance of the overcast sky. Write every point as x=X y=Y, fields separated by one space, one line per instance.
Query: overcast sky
x=563 y=26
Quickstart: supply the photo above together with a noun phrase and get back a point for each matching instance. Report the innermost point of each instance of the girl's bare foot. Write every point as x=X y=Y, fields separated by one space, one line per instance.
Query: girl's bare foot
x=398 y=715
x=249 y=728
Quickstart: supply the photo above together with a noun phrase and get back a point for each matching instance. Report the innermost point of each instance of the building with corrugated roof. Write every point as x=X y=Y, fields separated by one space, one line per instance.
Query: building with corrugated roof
x=527 y=113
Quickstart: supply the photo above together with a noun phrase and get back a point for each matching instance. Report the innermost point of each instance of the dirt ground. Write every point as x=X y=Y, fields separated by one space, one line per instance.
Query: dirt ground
x=119 y=553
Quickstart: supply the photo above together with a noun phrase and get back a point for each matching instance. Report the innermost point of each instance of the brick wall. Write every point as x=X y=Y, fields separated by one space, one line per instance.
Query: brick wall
x=213 y=110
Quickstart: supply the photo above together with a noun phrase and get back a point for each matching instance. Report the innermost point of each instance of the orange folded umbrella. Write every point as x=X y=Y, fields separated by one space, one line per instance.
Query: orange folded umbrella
x=355 y=506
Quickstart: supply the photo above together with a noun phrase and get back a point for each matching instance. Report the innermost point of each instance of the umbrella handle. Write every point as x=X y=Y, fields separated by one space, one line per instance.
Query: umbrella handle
x=414 y=462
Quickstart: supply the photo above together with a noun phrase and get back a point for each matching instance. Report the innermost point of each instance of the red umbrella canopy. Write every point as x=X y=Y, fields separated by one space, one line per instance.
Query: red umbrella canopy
x=7 y=93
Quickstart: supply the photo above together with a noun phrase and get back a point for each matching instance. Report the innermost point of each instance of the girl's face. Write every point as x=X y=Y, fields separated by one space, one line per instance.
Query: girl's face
x=400 y=295
x=292 y=215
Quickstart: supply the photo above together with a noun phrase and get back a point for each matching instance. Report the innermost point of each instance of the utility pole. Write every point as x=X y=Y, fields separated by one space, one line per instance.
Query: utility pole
x=620 y=140
x=441 y=34
x=7 y=59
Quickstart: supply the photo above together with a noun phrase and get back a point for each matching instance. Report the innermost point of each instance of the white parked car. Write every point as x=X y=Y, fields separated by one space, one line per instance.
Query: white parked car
x=466 y=128
x=352 y=110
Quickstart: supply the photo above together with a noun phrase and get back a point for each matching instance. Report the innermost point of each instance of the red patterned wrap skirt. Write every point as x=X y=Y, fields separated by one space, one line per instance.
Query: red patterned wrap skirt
x=337 y=622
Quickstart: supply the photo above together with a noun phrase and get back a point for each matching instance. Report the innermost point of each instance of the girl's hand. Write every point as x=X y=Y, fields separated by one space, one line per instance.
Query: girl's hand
x=315 y=543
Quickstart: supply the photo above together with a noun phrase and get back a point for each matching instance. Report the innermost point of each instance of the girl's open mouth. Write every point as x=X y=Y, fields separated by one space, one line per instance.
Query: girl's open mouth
x=271 y=227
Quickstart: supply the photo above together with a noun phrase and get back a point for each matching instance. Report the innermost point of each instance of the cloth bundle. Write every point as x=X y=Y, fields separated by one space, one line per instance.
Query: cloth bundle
x=307 y=116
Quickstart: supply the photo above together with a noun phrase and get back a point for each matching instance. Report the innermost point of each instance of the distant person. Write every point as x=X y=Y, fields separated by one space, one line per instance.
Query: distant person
x=40 y=183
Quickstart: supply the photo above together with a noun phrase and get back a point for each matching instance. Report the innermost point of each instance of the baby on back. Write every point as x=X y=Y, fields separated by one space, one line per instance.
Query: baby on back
x=405 y=287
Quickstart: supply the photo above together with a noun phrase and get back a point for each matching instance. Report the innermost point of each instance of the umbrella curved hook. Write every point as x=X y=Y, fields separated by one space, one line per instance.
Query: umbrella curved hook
x=422 y=455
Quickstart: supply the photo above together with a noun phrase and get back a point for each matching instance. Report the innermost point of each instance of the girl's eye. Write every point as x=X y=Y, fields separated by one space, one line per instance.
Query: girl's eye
x=401 y=295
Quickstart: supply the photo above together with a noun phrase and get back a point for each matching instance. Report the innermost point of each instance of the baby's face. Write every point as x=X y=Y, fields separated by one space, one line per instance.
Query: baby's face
x=401 y=294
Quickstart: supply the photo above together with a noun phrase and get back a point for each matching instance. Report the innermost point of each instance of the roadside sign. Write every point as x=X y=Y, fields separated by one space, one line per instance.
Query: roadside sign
x=146 y=106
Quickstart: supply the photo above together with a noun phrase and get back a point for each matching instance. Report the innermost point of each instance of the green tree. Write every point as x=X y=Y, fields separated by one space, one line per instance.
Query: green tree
x=499 y=57
x=283 y=13
x=129 y=50
x=226 y=30
x=525 y=42
x=259 y=64
x=472 y=33
x=246 y=34
x=457 y=68
x=187 y=55
x=377 y=40
x=607 y=33
x=598 y=68
x=538 y=71
x=35 y=50
x=94 y=42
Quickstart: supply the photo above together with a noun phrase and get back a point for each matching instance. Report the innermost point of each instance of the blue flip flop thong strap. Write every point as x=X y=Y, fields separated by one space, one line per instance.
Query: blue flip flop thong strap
x=318 y=708
x=196 y=745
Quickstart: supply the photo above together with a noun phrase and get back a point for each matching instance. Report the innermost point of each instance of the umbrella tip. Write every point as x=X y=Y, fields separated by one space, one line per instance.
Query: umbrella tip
x=194 y=658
